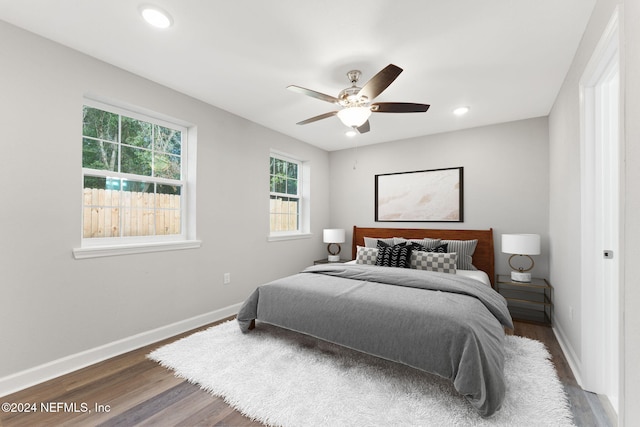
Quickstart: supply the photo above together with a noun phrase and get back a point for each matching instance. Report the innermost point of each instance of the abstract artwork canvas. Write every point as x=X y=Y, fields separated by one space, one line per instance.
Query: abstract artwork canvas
x=420 y=196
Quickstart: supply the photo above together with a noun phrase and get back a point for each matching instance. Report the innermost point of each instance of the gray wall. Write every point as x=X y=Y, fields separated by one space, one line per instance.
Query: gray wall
x=52 y=305
x=506 y=180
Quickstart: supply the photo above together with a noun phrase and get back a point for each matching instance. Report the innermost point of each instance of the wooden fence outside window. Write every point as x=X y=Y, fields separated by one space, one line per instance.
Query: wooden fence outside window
x=283 y=215
x=114 y=213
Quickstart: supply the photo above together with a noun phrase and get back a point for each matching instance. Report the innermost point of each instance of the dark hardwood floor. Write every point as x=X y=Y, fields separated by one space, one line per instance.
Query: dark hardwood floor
x=132 y=390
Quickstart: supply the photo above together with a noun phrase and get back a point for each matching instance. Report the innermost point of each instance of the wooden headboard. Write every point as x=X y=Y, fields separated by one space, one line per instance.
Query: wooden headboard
x=483 y=257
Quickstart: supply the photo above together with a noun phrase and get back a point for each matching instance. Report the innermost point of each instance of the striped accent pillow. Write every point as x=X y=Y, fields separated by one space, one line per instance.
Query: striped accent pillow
x=465 y=250
x=434 y=261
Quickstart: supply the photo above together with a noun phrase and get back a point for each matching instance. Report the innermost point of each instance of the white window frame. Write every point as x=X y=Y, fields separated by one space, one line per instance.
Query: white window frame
x=110 y=246
x=304 y=175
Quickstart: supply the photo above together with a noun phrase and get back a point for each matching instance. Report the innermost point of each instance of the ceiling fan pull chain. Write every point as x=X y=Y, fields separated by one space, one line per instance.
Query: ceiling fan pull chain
x=355 y=155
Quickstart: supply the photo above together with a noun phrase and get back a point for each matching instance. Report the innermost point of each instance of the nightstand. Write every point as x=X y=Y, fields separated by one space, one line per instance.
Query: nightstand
x=527 y=301
x=326 y=261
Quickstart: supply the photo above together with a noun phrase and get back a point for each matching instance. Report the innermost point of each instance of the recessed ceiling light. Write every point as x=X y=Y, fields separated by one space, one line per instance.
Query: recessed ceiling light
x=156 y=16
x=461 y=111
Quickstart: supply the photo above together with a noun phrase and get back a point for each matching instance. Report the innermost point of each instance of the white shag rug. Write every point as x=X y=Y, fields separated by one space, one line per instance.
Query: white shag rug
x=282 y=378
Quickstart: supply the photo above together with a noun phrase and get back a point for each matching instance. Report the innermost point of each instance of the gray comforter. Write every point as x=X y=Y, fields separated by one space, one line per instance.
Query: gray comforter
x=445 y=324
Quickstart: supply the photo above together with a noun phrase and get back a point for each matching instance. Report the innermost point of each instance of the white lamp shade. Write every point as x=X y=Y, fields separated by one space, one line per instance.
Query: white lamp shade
x=333 y=235
x=354 y=116
x=521 y=244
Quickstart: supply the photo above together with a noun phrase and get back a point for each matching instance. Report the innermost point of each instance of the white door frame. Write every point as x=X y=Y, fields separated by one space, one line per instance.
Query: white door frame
x=601 y=103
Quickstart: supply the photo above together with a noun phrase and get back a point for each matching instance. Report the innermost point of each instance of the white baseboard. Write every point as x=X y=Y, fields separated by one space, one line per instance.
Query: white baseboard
x=569 y=353
x=27 y=378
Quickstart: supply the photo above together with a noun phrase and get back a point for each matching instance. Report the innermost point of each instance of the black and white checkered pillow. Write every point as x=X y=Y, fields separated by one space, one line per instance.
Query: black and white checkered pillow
x=366 y=255
x=434 y=261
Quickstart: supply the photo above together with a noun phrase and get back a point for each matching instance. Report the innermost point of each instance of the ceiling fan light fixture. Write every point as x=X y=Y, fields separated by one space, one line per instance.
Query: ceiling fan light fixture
x=351 y=133
x=156 y=17
x=354 y=116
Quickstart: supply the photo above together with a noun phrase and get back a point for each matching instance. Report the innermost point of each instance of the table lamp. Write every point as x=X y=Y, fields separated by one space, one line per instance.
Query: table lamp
x=521 y=245
x=333 y=236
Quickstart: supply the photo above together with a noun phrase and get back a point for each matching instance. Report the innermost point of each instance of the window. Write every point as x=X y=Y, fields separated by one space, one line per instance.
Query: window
x=134 y=178
x=285 y=199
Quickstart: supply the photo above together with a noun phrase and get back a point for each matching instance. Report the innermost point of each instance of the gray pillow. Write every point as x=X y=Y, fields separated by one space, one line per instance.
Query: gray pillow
x=464 y=249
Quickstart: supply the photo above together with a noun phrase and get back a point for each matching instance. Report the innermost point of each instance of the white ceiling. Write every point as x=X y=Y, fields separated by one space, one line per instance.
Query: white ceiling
x=504 y=58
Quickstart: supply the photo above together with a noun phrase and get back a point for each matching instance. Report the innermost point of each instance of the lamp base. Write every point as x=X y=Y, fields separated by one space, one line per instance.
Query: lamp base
x=519 y=276
x=334 y=256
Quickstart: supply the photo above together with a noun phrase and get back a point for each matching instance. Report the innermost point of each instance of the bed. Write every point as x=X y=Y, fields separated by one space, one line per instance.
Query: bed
x=448 y=324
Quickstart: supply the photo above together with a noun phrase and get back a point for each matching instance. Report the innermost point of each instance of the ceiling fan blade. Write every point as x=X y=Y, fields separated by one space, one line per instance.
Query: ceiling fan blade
x=316 y=118
x=380 y=81
x=398 y=107
x=314 y=94
x=366 y=127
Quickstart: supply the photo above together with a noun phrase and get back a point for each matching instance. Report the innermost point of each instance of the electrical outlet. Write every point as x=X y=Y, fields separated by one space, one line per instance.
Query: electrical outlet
x=226 y=279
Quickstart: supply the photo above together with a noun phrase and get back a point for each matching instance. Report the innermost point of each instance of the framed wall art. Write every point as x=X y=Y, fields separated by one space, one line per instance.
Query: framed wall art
x=420 y=196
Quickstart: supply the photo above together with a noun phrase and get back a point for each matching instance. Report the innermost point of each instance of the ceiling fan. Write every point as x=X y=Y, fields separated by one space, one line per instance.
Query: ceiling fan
x=356 y=101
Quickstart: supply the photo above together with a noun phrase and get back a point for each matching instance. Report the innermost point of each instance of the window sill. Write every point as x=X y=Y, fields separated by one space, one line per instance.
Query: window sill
x=141 y=248
x=292 y=236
